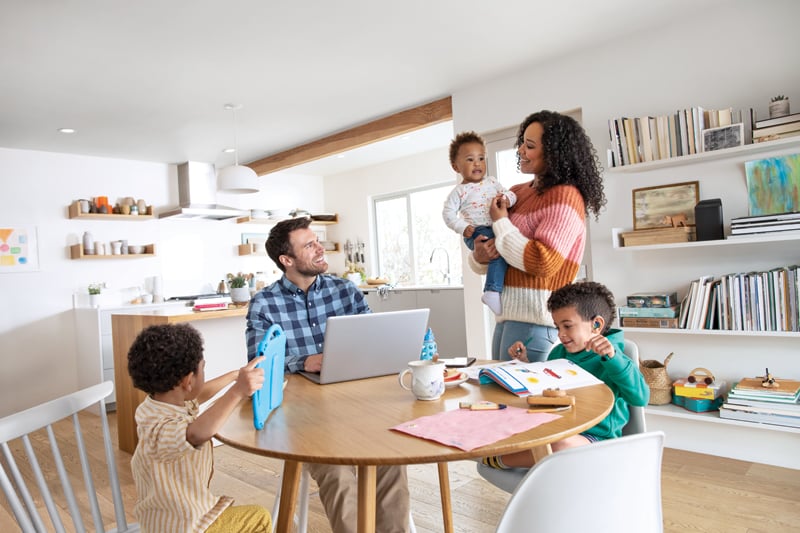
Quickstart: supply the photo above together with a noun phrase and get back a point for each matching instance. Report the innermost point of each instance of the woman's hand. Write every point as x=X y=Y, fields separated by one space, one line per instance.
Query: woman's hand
x=484 y=250
x=499 y=207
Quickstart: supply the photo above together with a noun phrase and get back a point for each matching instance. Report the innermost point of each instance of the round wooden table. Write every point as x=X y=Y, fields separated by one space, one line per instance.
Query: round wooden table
x=348 y=424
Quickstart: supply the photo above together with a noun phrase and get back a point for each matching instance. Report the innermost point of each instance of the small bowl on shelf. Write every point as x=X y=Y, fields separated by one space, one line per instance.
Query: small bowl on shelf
x=135 y=249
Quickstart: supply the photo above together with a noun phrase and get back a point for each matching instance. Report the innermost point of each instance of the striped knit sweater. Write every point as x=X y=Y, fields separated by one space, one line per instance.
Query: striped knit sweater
x=542 y=241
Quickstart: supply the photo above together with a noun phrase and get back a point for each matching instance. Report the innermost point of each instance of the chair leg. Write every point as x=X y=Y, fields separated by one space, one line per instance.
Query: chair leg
x=411 y=527
x=301 y=516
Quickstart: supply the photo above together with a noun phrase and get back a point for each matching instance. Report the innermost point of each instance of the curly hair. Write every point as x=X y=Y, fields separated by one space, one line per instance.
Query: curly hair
x=462 y=139
x=589 y=298
x=278 y=241
x=569 y=156
x=161 y=356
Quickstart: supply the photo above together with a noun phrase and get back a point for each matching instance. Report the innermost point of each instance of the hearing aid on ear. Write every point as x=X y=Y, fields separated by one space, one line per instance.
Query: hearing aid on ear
x=597 y=324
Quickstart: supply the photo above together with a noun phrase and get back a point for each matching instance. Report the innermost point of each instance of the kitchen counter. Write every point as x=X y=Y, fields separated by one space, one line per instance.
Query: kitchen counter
x=224 y=350
x=413 y=287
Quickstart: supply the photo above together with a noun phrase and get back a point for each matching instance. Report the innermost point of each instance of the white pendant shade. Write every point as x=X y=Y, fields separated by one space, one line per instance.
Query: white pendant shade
x=237 y=179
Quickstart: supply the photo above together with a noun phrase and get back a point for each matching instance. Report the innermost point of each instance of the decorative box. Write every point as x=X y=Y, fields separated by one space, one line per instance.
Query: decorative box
x=699 y=390
x=696 y=404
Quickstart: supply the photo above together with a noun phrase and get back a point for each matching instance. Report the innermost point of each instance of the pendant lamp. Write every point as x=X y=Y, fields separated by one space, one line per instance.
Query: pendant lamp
x=237 y=179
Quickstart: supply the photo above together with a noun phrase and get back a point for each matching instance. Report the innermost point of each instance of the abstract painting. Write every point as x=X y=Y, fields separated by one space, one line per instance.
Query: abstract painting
x=773 y=185
x=18 y=249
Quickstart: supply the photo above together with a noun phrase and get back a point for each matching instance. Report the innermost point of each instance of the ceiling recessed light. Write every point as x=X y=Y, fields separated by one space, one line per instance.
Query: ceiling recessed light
x=66 y=130
x=340 y=156
x=228 y=150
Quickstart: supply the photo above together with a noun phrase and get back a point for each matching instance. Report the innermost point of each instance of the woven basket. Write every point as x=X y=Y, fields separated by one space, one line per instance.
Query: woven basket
x=655 y=374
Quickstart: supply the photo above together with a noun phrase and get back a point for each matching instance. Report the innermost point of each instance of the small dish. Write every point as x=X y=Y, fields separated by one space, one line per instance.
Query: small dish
x=462 y=377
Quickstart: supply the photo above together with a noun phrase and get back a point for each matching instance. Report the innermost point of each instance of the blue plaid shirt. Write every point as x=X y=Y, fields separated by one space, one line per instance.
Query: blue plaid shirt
x=303 y=316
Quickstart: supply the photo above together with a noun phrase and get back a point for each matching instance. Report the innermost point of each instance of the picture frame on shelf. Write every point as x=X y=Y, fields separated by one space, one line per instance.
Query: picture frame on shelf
x=655 y=207
x=772 y=185
x=723 y=137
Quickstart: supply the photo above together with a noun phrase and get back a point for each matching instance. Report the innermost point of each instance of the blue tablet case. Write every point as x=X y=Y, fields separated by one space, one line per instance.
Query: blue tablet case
x=270 y=396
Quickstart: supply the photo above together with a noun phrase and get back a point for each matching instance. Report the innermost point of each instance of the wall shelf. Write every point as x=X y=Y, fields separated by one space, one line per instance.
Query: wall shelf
x=725 y=332
x=76 y=252
x=730 y=241
x=725 y=153
x=75 y=212
x=674 y=411
x=258 y=249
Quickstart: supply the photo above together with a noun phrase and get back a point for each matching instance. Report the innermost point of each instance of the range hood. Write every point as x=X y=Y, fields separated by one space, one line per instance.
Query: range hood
x=197 y=185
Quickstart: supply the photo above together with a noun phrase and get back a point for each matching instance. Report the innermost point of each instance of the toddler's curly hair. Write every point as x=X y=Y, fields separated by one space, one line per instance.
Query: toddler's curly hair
x=162 y=355
x=462 y=139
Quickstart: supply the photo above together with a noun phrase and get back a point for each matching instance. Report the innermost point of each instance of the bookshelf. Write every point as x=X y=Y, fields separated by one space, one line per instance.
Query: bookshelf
x=730 y=355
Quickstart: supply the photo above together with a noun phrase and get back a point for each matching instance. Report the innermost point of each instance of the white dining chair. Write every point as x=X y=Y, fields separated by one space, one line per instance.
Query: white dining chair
x=301 y=516
x=610 y=486
x=58 y=491
x=508 y=480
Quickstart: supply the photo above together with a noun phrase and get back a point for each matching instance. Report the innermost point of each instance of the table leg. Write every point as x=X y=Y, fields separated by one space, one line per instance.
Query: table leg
x=367 y=492
x=444 y=490
x=540 y=452
x=291 y=479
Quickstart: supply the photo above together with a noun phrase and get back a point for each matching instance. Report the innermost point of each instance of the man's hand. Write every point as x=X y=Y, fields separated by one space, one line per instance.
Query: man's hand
x=484 y=250
x=313 y=363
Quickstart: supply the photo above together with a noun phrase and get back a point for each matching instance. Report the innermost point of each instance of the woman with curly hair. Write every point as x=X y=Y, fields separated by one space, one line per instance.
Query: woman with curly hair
x=543 y=236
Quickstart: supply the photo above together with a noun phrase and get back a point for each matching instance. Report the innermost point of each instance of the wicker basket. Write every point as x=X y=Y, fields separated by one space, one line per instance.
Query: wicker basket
x=655 y=374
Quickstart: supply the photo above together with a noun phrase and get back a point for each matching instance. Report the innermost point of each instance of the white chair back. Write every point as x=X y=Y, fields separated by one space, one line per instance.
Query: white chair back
x=22 y=494
x=607 y=487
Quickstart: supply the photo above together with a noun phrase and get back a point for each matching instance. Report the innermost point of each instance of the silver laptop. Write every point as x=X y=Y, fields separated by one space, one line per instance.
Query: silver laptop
x=369 y=345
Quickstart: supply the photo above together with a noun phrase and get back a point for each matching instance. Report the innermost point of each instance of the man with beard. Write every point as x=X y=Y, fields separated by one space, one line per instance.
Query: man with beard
x=301 y=302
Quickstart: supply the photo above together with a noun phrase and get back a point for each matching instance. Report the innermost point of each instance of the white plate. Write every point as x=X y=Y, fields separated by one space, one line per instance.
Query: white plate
x=454 y=383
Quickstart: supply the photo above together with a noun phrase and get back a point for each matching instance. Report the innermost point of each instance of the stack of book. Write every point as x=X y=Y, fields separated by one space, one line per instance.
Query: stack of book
x=650 y=310
x=212 y=304
x=776 y=128
x=765 y=224
x=650 y=138
x=751 y=401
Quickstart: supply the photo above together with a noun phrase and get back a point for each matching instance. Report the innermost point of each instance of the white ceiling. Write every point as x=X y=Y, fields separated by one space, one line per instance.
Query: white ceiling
x=147 y=80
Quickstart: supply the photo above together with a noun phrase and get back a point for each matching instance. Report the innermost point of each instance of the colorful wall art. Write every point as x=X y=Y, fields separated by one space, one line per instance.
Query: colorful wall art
x=773 y=185
x=18 y=251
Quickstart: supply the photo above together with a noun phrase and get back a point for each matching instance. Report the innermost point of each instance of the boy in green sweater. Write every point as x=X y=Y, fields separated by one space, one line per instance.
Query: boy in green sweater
x=583 y=313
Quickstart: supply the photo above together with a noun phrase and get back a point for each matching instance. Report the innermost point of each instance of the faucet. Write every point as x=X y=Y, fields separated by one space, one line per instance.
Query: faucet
x=445 y=273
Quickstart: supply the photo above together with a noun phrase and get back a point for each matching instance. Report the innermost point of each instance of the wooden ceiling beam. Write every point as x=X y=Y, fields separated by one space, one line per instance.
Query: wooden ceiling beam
x=377 y=130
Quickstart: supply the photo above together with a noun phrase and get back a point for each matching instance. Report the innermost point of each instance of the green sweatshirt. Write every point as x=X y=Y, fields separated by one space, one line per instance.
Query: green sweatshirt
x=621 y=375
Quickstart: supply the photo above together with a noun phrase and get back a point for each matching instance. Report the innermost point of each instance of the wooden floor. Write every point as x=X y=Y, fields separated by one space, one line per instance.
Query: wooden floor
x=701 y=493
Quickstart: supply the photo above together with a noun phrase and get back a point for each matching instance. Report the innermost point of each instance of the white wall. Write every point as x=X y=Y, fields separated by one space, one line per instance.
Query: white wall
x=37 y=339
x=708 y=59
x=350 y=194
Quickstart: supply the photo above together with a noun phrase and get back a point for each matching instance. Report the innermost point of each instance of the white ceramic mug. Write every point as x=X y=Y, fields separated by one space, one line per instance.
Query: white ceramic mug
x=427 y=379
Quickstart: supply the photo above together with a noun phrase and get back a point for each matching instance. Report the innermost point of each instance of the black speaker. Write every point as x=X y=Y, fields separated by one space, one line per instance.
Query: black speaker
x=708 y=220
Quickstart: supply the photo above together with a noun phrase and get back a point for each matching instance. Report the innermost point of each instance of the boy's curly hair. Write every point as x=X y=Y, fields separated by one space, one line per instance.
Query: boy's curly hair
x=162 y=355
x=589 y=298
x=462 y=139
x=569 y=156
x=278 y=241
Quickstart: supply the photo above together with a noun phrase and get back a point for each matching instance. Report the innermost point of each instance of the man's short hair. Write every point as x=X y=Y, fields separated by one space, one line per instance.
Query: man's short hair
x=278 y=241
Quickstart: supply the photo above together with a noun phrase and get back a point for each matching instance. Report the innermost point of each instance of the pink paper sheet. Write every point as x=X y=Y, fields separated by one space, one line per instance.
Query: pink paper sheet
x=467 y=430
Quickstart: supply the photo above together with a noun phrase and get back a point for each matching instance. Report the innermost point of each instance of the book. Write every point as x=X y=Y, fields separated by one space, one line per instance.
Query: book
x=648 y=322
x=747 y=402
x=650 y=312
x=772 y=130
x=762 y=418
x=765 y=227
x=777 y=217
x=653 y=299
x=767 y=122
x=524 y=379
x=781 y=387
x=777 y=409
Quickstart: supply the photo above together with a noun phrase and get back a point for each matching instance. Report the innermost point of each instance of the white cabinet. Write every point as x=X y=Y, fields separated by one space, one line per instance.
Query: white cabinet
x=670 y=267
x=446 y=317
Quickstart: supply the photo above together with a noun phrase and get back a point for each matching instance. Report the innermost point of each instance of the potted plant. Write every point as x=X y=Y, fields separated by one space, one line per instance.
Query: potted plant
x=94 y=293
x=778 y=106
x=240 y=292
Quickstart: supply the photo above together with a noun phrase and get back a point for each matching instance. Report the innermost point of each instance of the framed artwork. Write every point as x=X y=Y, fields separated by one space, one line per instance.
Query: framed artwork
x=655 y=207
x=19 y=249
x=723 y=137
x=773 y=185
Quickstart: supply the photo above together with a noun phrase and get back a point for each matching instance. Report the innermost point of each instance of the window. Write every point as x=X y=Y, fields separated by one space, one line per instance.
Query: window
x=414 y=245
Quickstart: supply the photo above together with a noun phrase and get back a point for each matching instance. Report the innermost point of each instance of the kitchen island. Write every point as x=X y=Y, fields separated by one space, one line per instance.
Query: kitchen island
x=224 y=350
